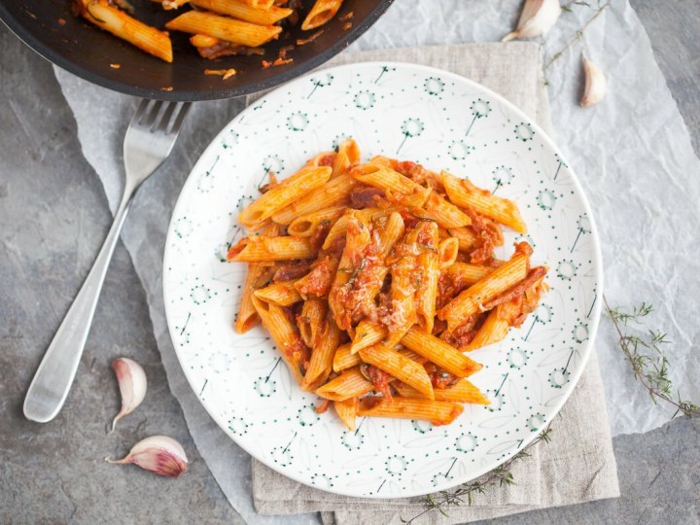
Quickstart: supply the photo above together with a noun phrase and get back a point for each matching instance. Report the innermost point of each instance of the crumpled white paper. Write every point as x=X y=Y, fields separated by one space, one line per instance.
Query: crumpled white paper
x=632 y=153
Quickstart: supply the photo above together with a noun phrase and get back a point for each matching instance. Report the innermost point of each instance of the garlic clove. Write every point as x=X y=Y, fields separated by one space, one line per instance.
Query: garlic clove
x=158 y=454
x=596 y=86
x=132 y=385
x=536 y=18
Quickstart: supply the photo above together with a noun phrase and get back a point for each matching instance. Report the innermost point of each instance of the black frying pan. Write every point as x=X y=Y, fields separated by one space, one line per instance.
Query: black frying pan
x=49 y=27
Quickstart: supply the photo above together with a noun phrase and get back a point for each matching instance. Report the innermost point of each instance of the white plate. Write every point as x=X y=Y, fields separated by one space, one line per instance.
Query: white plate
x=413 y=113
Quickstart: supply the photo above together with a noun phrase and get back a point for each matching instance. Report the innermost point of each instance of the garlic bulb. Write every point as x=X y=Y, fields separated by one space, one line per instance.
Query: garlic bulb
x=537 y=17
x=132 y=385
x=596 y=85
x=158 y=454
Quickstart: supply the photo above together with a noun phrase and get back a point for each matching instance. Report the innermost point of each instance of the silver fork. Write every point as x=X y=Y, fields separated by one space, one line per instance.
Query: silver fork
x=149 y=139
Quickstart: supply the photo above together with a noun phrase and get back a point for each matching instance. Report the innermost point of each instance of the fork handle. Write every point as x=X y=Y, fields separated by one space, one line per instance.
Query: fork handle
x=54 y=377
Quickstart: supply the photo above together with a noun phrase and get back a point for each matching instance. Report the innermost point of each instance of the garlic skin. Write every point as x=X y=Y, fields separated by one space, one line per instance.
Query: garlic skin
x=158 y=454
x=537 y=17
x=596 y=86
x=132 y=385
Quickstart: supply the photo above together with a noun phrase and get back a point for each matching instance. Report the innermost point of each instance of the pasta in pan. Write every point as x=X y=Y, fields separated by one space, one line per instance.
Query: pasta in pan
x=218 y=27
x=375 y=279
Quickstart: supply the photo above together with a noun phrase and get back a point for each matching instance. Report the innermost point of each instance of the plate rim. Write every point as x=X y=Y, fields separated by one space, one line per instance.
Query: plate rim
x=588 y=345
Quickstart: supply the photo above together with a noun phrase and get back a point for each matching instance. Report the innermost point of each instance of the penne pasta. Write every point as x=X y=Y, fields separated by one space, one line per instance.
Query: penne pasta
x=344 y=358
x=439 y=352
x=437 y=412
x=503 y=316
x=462 y=392
x=294 y=353
x=495 y=327
x=350 y=383
x=447 y=215
x=283 y=194
x=333 y=193
x=321 y=364
x=260 y=4
x=347 y=157
x=470 y=300
x=428 y=261
x=258 y=276
x=347 y=412
x=398 y=188
x=357 y=239
x=311 y=319
x=269 y=249
x=463 y=193
x=406 y=279
x=340 y=227
x=376 y=254
x=243 y=11
x=307 y=225
x=224 y=28
x=321 y=12
x=448 y=250
x=467 y=274
x=247 y=315
x=282 y=294
x=400 y=367
x=466 y=237
x=367 y=334
x=117 y=22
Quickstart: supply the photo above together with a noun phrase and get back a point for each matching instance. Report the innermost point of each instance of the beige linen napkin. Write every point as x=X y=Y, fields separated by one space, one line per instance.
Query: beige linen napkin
x=578 y=465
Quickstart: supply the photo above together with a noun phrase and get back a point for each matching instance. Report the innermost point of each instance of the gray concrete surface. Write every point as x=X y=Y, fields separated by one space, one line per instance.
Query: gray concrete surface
x=53 y=217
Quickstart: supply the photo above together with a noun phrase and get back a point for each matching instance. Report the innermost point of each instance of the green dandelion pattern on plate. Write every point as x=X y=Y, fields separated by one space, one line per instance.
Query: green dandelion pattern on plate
x=434 y=86
x=479 y=109
x=466 y=442
x=411 y=128
x=584 y=227
x=297 y=121
x=560 y=164
x=364 y=100
x=383 y=71
x=395 y=465
x=200 y=294
x=307 y=416
x=535 y=422
x=524 y=132
x=517 y=358
x=546 y=199
x=580 y=332
x=352 y=440
x=265 y=387
x=182 y=227
x=237 y=426
x=321 y=81
x=459 y=150
x=502 y=176
x=421 y=426
x=566 y=270
x=559 y=377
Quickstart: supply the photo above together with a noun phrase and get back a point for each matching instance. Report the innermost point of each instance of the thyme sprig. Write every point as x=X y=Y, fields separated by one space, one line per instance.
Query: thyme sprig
x=579 y=32
x=465 y=493
x=649 y=362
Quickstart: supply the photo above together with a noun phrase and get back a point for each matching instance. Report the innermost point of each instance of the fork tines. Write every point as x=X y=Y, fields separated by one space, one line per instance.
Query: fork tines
x=157 y=115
